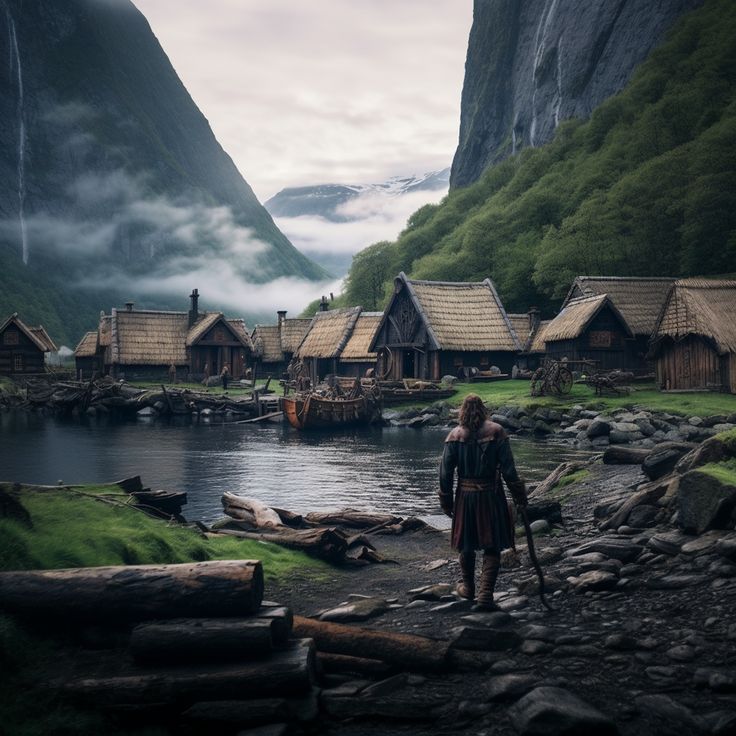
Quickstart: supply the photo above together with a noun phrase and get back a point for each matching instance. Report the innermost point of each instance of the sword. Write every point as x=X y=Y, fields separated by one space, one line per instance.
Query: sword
x=533 y=555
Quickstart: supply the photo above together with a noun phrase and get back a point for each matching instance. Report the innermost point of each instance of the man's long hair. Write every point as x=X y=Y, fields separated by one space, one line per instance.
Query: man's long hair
x=473 y=413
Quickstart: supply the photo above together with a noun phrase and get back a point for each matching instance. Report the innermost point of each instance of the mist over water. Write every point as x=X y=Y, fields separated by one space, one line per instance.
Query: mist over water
x=381 y=469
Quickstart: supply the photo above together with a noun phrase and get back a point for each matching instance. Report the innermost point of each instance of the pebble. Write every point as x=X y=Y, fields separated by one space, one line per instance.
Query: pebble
x=509 y=687
x=681 y=653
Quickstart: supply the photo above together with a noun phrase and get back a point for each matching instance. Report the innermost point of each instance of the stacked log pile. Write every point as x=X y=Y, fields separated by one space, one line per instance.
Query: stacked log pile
x=336 y=536
x=107 y=395
x=200 y=644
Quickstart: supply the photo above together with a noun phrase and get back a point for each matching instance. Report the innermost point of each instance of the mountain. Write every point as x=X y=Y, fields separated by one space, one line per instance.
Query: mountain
x=645 y=187
x=328 y=200
x=112 y=184
x=533 y=63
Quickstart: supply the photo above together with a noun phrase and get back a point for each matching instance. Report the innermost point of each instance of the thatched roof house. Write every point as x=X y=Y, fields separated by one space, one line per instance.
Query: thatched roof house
x=22 y=347
x=144 y=343
x=431 y=328
x=694 y=343
x=357 y=357
x=325 y=340
x=589 y=328
x=275 y=345
x=87 y=356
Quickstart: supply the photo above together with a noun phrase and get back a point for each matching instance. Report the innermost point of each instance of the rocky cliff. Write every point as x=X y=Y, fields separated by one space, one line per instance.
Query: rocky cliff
x=534 y=63
x=108 y=168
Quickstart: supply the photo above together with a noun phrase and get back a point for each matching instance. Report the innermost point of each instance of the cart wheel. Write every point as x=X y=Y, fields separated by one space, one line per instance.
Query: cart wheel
x=564 y=381
x=536 y=385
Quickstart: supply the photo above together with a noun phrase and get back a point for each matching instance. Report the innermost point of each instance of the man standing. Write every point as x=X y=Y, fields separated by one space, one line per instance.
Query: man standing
x=224 y=376
x=479 y=451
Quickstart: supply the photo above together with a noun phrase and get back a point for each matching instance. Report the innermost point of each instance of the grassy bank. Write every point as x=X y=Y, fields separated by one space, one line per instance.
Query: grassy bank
x=94 y=525
x=646 y=396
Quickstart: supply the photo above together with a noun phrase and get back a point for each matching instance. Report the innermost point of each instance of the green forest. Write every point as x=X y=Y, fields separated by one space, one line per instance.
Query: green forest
x=645 y=187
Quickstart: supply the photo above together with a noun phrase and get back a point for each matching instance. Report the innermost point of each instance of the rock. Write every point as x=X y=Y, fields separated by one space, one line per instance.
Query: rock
x=727 y=548
x=485 y=639
x=675 y=582
x=431 y=592
x=542 y=428
x=458 y=605
x=704 y=543
x=492 y=619
x=147 y=411
x=643 y=516
x=540 y=526
x=594 y=580
x=542 y=633
x=624 y=456
x=509 y=687
x=620 y=642
x=356 y=610
x=664 y=458
x=681 y=653
x=513 y=604
x=668 y=543
x=669 y=717
x=704 y=502
x=620 y=548
x=598 y=428
x=551 y=511
x=532 y=647
x=435 y=565
x=548 y=555
x=553 y=711
x=713 y=450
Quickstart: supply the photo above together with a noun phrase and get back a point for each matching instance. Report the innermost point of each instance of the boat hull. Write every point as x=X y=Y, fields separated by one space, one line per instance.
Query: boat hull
x=314 y=412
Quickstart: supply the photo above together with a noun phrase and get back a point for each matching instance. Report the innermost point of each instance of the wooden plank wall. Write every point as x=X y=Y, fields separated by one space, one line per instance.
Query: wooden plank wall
x=688 y=364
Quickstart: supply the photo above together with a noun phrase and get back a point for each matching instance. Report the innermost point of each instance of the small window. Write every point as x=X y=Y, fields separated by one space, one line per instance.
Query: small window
x=10 y=337
x=17 y=363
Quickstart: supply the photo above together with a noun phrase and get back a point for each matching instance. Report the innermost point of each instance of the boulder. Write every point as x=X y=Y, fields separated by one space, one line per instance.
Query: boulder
x=618 y=455
x=553 y=711
x=642 y=517
x=619 y=548
x=705 y=502
x=598 y=427
x=594 y=580
x=663 y=459
x=713 y=450
x=509 y=687
x=550 y=511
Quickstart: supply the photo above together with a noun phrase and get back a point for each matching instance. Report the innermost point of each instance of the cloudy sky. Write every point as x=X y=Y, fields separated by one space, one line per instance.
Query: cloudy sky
x=349 y=91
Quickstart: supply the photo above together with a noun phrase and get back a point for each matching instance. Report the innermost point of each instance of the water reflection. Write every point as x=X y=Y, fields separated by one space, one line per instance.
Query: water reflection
x=382 y=469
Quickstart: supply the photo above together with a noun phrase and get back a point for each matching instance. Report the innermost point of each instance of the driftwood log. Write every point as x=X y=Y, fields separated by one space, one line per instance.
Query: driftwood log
x=553 y=478
x=352 y=518
x=135 y=592
x=288 y=672
x=343 y=663
x=405 y=650
x=327 y=544
x=263 y=517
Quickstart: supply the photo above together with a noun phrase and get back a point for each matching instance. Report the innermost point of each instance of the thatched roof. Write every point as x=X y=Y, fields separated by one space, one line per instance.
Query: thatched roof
x=537 y=343
x=461 y=316
x=37 y=335
x=293 y=332
x=576 y=315
x=235 y=326
x=267 y=343
x=87 y=347
x=357 y=348
x=529 y=339
x=638 y=299
x=328 y=333
x=520 y=324
x=105 y=330
x=241 y=332
x=700 y=307
x=144 y=337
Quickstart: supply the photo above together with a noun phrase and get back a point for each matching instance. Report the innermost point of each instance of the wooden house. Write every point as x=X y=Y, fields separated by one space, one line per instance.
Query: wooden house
x=23 y=348
x=529 y=329
x=639 y=300
x=274 y=345
x=88 y=357
x=589 y=328
x=322 y=346
x=433 y=328
x=357 y=358
x=694 y=342
x=139 y=344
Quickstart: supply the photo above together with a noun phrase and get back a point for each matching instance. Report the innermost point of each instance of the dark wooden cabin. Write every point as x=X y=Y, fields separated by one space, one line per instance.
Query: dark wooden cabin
x=694 y=343
x=322 y=346
x=274 y=345
x=88 y=357
x=639 y=300
x=589 y=328
x=434 y=328
x=529 y=329
x=23 y=348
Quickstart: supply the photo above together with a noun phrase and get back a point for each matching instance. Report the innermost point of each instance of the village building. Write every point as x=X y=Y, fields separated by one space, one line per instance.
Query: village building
x=694 y=342
x=274 y=345
x=23 y=348
x=322 y=346
x=357 y=359
x=589 y=329
x=529 y=329
x=434 y=328
x=88 y=357
x=141 y=344
x=639 y=300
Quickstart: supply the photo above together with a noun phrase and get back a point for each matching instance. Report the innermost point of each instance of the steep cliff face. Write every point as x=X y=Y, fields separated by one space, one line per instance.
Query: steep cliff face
x=108 y=167
x=534 y=63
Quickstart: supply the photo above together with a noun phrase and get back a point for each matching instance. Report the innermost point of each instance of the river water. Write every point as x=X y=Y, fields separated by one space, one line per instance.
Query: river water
x=389 y=469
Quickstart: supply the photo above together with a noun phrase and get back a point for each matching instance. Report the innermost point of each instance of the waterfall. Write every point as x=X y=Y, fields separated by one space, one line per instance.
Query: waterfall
x=539 y=44
x=558 y=104
x=15 y=57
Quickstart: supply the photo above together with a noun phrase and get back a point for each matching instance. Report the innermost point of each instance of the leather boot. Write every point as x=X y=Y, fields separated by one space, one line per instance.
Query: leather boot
x=466 y=587
x=488 y=575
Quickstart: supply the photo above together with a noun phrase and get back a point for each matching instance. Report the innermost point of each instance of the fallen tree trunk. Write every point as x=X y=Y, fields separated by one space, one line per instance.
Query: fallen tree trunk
x=288 y=672
x=622 y=455
x=646 y=494
x=343 y=663
x=265 y=517
x=193 y=640
x=351 y=517
x=135 y=592
x=408 y=651
x=327 y=544
x=554 y=477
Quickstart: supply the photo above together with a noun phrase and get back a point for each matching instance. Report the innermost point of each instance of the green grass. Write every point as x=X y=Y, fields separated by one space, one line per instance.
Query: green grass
x=724 y=472
x=77 y=528
x=575 y=477
x=516 y=393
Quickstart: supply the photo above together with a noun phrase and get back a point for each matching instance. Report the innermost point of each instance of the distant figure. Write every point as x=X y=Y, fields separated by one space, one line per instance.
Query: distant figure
x=206 y=372
x=224 y=376
x=172 y=373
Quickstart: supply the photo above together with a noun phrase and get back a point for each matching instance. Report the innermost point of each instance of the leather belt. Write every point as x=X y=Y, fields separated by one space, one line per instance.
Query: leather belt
x=469 y=485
